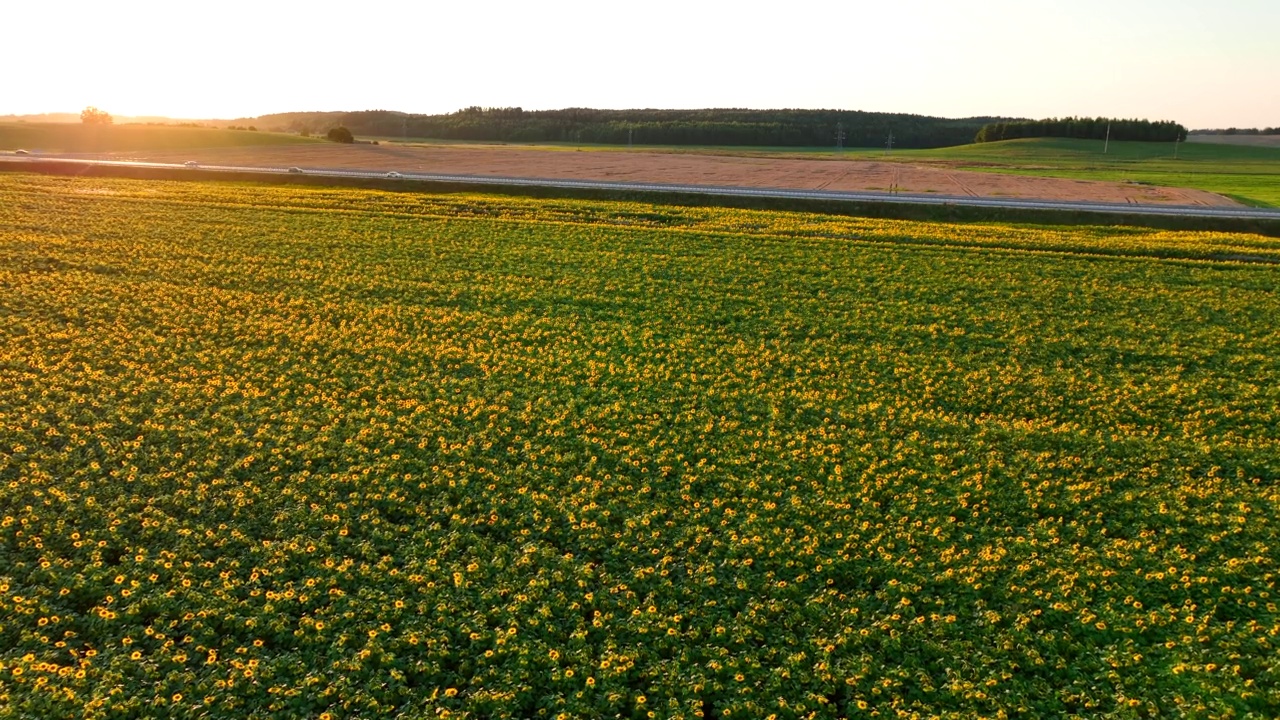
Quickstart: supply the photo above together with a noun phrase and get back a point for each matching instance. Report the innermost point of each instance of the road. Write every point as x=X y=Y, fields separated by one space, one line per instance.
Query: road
x=1189 y=211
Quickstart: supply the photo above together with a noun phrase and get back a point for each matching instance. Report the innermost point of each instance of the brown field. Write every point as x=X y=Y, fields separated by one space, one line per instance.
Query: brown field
x=1246 y=140
x=684 y=168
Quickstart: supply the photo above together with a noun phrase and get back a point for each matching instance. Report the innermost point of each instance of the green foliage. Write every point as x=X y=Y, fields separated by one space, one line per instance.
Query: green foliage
x=1248 y=173
x=1083 y=128
x=340 y=135
x=738 y=127
x=313 y=452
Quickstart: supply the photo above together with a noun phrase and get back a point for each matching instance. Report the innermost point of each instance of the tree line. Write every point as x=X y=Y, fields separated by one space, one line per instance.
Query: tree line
x=1083 y=128
x=770 y=128
x=1238 y=131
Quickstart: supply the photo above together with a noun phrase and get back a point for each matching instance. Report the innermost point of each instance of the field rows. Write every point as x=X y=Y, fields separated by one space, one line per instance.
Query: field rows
x=334 y=453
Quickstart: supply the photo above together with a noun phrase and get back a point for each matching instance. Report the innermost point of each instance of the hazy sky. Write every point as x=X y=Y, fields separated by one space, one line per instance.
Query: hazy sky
x=1202 y=63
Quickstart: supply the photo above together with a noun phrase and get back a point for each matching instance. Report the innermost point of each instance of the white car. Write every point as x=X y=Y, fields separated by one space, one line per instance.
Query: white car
x=21 y=152
x=394 y=175
x=191 y=163
x=295 y=170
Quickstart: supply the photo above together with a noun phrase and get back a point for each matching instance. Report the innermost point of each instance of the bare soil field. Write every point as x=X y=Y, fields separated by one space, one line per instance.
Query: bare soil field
x=684 y=168
x=1246 y=140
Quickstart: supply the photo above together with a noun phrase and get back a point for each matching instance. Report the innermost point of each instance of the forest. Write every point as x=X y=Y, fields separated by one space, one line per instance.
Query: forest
x=1084 y=129
x=740 y=127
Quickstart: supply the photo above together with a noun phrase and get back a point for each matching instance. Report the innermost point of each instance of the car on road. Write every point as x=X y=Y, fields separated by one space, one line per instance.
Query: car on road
x=21 y=152
x=295 y=170
x=191 y=163
x=394 y=175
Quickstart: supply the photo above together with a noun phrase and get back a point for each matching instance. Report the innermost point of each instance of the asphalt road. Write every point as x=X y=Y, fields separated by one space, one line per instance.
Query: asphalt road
x=1190 y=211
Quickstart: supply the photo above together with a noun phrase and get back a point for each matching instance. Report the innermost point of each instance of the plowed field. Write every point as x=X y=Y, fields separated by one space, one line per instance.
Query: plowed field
x=687 y=168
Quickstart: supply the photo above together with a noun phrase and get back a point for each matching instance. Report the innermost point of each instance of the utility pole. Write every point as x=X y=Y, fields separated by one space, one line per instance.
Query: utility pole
x=629 y=129
x=1107 y=143
x=839 y=136
x=888 y=147
x=1176 y=140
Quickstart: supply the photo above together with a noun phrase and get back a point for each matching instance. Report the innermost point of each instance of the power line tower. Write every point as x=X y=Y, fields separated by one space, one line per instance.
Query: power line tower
x=888 y=146
x=839 y=136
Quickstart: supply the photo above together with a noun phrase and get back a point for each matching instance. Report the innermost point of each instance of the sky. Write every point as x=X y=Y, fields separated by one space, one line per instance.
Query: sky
x=1204 y=64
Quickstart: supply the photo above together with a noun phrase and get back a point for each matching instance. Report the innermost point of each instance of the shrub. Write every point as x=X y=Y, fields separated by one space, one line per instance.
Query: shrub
x=93 y=116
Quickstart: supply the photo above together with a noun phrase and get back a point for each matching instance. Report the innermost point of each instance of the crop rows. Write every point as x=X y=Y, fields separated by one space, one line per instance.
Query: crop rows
x=317 y=453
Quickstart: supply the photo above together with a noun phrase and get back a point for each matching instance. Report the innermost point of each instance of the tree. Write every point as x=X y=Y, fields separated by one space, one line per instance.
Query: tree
x=340 y=135
x=93 y=116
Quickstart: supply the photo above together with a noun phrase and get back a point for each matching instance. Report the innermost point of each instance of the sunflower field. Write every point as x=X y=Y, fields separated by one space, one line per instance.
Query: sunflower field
x=331 y=453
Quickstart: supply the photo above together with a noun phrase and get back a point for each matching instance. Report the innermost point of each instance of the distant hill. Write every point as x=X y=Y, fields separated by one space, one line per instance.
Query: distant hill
x=741 y=127
x=1237 y=131
x=42 y=118
x=78 y=138
x=116 y=119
